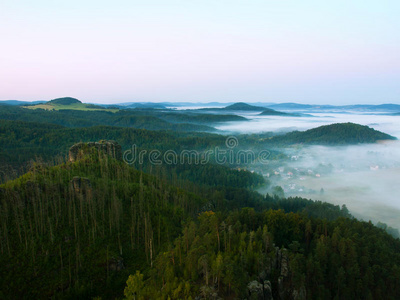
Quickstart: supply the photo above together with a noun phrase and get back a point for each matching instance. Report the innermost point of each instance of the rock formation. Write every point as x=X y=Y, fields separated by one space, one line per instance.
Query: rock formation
x=110 y=148
x=265 y=286
x=260 y=291
x=256 y=290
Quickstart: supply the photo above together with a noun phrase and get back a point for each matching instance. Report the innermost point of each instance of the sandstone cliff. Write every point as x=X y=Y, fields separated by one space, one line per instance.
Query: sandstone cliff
x=110 y=148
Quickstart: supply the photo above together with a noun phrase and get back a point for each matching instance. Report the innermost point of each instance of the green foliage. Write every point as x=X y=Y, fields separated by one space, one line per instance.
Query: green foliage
x=84 y=240
x=134 y=287
x=278 y=191
x=82 y=236
x=392 y=231
x=221 y=254
x=87 y=118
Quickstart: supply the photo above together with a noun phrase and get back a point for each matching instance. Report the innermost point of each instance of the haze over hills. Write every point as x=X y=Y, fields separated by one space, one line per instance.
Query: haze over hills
x=256 y=106
x=272 y=112
x=18 y=102
x=355 y=107
x=241 y=107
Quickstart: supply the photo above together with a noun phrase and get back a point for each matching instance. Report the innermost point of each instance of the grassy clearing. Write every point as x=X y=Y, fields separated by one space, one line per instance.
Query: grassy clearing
x=75 y=106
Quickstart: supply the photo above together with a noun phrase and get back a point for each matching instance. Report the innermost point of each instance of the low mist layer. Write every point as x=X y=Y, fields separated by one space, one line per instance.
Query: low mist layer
x=385 y=123
x=364 y=177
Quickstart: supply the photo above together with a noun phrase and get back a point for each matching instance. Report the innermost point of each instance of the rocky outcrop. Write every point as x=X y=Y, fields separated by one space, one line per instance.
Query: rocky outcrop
x=280 y=285
x=260 y=291
x=256 y=290
x=267 y=290
x=111 y=148
x=284 y=263
x=286 y=288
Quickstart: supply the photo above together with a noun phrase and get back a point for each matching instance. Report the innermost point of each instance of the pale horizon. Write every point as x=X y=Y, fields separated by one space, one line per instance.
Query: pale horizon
x=204 y=102
x=336 y=53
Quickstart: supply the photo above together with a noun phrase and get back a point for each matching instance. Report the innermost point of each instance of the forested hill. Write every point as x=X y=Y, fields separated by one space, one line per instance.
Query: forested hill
x=65 y=101
x=334 y=134
x=79 y=230
x=241 y=106
x=82 y=227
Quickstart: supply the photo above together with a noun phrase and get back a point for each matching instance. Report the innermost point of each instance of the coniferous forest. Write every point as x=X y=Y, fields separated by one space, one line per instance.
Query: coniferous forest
x=96 y=227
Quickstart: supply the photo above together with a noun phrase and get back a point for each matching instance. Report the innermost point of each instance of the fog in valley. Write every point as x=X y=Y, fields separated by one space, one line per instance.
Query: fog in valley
x=364 y=177
x=384 y=122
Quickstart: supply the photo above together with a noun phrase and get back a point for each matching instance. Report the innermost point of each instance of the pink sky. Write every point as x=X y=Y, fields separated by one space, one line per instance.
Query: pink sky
x=272 y=51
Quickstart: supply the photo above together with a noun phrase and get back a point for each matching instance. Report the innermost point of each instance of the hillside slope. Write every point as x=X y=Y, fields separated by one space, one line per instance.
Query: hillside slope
x=82 y=226
x=85 y=117
x=64 y=101
x=241 y=106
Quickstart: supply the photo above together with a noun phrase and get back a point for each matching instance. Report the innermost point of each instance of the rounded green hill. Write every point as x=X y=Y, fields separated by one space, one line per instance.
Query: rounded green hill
x=64 y=101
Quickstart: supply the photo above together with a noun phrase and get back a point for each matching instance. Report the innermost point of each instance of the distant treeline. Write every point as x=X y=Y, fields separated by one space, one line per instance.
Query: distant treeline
x=150 y=119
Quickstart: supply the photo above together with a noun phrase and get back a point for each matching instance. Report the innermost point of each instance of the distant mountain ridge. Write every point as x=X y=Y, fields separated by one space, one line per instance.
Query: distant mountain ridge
x=147 y=106
x=356 y=107
x=256 y=106
x=244 y=107
x=18 y=102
